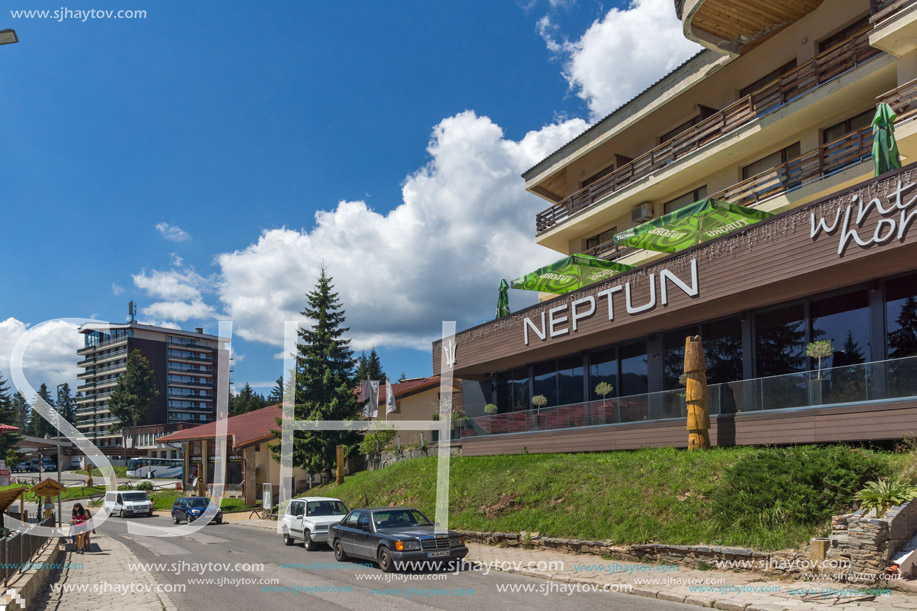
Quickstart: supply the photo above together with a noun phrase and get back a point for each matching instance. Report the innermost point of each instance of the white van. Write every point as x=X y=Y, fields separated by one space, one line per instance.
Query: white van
x=128 y=503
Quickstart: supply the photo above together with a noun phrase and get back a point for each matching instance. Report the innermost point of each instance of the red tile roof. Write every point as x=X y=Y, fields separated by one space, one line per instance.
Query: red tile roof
x=409 y=387
x=242 y=430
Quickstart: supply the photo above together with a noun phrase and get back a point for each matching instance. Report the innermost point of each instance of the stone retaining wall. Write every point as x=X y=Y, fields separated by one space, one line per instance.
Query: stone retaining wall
x=373 y=462
x=869 y=543
x=696 y=556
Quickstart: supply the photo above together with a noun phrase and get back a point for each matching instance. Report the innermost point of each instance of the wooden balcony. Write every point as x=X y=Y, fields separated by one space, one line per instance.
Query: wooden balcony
x=821 y=69
x=827 y=159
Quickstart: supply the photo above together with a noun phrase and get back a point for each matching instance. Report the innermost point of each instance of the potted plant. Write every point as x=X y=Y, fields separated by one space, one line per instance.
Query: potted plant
x=818 y=350
x=538 y=401
x=490 y=409
x=603 y=389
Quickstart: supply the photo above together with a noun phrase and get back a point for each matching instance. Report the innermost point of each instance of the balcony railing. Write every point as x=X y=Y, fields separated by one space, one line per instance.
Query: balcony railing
x=883 y=9
x=824 y=67
x=838 y=386
x=903 y=99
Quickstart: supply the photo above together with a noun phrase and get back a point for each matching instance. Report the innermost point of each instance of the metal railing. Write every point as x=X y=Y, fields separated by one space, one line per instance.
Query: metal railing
x=811 y=75
x=836 y=386
x=20 y=548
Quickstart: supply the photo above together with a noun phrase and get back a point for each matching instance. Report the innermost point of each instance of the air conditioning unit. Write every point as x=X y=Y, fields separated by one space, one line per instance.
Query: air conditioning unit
x=641 y=213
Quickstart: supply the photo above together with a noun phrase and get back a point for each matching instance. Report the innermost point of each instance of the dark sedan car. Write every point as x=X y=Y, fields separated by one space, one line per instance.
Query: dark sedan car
x=190 y=508
x=392 y=535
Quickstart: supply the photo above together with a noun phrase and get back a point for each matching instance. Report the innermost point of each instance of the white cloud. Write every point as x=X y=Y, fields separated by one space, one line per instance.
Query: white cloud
x=172 y=233
x=464 y=223
x=116 y=289
x=171 y=285
x=50 y=357
x=621 y=54
x=180 y=310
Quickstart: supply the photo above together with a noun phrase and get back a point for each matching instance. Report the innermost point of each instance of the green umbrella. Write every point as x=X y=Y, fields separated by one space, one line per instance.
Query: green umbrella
x=686 y=227
x=503 y=300
x=884 y=148
x=569 y=274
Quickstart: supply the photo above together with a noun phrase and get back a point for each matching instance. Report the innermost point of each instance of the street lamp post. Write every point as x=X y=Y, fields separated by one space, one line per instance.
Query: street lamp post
x=59 y=517
x=8 y=37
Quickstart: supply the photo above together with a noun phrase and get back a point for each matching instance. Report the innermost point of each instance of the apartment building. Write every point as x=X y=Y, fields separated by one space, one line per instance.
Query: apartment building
x=771 y=121
x=191 y=372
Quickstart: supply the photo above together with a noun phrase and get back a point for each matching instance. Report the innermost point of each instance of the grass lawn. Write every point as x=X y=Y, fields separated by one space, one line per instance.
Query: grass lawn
x=651 y=495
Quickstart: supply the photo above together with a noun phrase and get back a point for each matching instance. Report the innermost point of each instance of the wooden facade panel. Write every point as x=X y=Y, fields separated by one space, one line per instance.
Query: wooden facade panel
x=770 y=262
x=820 y=425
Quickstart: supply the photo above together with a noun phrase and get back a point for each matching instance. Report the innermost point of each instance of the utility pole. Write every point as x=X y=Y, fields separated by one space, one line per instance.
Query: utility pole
x=59 y=386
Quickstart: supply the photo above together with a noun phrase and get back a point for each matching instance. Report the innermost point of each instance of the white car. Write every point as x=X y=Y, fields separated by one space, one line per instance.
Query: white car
x=128 y=503
x=309 y=517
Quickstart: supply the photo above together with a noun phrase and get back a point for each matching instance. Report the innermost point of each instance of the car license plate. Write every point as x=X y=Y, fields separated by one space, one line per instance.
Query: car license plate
x=437 y=554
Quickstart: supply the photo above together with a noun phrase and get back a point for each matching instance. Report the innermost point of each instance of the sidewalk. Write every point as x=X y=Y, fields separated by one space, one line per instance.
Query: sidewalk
x=97 y=581
x=719 y=589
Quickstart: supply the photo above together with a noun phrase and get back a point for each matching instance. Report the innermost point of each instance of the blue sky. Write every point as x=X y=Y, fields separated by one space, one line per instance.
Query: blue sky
x=229 y=125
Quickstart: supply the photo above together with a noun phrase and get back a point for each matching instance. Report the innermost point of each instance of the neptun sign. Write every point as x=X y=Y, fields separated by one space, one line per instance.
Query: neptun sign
x=852 y=237
x=566 y=318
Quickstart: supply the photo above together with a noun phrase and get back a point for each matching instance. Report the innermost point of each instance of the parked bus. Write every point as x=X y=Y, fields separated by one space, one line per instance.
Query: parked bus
x=155 y=467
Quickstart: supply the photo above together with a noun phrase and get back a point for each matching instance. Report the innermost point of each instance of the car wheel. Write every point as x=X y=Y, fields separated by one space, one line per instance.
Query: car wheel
x=339 y=554
x=307 y=541
x=174 y=519
x=287 y=539
x=219 y=520
x=385 y=560
x=150 y=514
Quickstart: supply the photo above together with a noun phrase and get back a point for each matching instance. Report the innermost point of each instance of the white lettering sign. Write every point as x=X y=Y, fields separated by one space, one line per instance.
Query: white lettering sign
x=897 y=217
x=554 y=324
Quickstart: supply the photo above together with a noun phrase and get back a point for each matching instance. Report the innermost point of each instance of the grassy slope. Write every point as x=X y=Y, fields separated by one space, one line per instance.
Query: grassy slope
x=626 y=497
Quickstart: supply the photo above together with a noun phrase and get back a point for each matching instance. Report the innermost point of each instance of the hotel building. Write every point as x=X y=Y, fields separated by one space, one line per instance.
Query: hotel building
x=773 y=115
x=191 y=372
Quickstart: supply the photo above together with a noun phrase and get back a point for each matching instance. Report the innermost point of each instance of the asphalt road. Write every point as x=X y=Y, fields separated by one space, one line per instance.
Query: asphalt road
x=228 y=543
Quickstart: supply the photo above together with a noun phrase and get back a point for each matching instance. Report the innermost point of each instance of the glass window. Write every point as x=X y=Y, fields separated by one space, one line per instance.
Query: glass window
x=901 y=316
x=634 y=375
x=780 y=341
x=723 y=350
x=771 y=161
x=767 y=79
x=844 y=320
x=605 y=236
x=685 y=200
x=570 y=380
x=848 y=126
x=545 y=382
x=603 y=367
x=674 y=356
x=848 y=32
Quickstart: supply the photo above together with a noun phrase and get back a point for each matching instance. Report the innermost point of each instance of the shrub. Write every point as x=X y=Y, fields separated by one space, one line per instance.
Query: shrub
x=145 y=485
x=377 y=439
x=885 y=494
x=801 y=486
x=539 y=401
x=490 y=409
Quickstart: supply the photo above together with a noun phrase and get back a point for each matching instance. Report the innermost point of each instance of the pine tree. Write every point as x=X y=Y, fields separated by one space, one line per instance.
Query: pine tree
x=370 y=368
x=402 y=377
x=20 y=410
x=40 y=426
x=133 y=397
x=10 y=440
x=324 y=380
x=276 y=396
x=246 y=401
x=65 y=403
